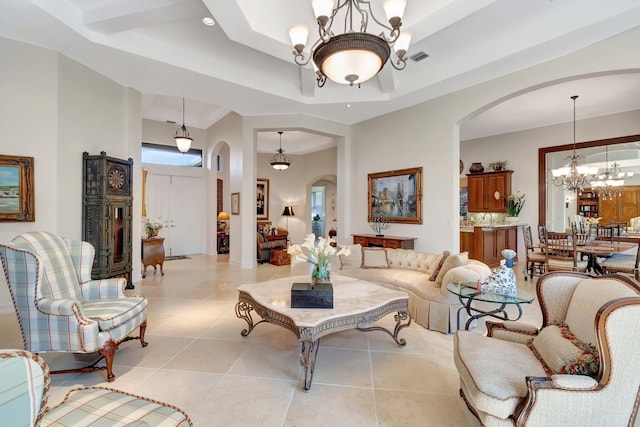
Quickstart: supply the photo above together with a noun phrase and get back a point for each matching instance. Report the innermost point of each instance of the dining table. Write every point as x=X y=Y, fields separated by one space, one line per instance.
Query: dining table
x=599 y=248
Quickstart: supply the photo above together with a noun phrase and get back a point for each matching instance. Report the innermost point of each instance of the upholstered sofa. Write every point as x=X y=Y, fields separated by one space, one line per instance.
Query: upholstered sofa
x=424 y=276
x=581 y=368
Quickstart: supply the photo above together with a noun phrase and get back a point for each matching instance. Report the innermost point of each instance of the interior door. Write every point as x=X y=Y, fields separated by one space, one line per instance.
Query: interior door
x=177 y=200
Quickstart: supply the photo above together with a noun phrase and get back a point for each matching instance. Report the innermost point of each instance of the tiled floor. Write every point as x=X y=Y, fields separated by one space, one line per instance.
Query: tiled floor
x=197 y=360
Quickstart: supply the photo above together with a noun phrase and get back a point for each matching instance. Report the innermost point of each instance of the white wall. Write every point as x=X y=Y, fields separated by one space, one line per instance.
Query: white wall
x=59 y=109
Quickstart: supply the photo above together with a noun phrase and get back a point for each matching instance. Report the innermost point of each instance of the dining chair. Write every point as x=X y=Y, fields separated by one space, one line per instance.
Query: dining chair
x=577 y=223
x=542 y=232
x=623 y=263
x=561 y=252
x=604 y=232
x=535 y=258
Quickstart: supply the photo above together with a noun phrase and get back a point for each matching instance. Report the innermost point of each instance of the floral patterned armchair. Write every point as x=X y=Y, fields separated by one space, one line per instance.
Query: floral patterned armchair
x=266 y=242
x=581 y=368
x=59 y=307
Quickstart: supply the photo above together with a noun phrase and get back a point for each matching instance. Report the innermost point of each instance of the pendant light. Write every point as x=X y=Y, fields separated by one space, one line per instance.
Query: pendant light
x=279 y=161
x=183 y=140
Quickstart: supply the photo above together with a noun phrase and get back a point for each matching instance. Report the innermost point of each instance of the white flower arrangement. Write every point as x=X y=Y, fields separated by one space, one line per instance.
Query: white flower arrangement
x=151 y=224
x=592 y=221
x=320 y=255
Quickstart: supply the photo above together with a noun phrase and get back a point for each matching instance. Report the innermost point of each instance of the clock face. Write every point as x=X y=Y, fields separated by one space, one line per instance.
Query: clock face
x=115 y=178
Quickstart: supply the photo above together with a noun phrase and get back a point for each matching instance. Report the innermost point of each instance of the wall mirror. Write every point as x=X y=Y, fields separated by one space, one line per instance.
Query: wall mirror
x=555 y=204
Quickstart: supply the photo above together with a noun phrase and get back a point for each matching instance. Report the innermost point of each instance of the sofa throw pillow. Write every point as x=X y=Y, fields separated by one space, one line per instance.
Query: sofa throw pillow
x=452 y=261
x=434 y=275
x=562 y=353
x=353 y=260
x=374 y=258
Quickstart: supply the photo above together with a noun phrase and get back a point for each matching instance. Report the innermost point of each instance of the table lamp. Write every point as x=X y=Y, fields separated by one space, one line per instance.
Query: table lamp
x=223 y=216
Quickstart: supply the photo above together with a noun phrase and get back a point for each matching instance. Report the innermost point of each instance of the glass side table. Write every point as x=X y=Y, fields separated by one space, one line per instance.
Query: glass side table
x=467 y=293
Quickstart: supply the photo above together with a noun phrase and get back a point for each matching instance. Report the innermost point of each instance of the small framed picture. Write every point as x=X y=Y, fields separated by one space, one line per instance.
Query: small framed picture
x=16 y=189
x=235 y=203
x=262 y=199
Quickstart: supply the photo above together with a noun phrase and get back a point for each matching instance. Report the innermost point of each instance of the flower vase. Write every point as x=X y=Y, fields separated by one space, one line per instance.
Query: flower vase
x=320 y=274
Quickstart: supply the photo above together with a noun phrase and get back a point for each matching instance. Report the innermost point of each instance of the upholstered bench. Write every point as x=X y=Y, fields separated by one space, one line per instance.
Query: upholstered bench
x=24 y=388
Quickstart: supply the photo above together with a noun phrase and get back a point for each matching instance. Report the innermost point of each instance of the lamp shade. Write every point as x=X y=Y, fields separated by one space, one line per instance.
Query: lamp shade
x=288 y=211
x=223 y=216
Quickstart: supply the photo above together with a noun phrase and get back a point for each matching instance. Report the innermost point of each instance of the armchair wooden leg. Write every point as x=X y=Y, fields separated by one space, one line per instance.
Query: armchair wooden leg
x=143 y=328
x=109 y=352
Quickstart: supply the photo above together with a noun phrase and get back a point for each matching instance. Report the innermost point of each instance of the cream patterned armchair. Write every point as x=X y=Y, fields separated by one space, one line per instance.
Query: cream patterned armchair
x=580 y=369
x=59 y=307
x=24 y=392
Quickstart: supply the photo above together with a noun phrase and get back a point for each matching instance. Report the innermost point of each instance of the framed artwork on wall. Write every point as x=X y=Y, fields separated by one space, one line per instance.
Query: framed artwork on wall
x=235 y=203
x=262 y=199
x=16 y=189
x=396 y=196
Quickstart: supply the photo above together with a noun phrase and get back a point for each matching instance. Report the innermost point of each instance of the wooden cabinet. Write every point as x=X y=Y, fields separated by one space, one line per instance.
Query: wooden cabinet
x=588 y=205
x=489 y=242
x=371 y=240
x=152 y=254
x=106 y=218
x=223 y=242
x=623 y=207
x=466 y=242
x=486 y=191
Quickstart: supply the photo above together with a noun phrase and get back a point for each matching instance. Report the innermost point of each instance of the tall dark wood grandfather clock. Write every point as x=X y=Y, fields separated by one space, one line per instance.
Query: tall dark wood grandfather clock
x=106 y=221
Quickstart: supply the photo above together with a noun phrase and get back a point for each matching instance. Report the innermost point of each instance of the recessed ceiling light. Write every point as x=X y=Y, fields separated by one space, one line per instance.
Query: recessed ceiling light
x=207 y=20
x=348 y=105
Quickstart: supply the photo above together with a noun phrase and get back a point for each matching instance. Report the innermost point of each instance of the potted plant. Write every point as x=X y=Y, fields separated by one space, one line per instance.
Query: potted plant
x=514 y=204
x=499 y=165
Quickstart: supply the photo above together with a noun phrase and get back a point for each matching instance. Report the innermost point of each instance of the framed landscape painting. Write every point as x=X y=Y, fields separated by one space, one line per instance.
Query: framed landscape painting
x=262 y=199
x=16 y=189
x=396 y=196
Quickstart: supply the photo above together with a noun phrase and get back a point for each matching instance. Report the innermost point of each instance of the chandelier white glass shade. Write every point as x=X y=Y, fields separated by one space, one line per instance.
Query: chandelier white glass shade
x=573 y=177
x=607 y=183
x=279 y=161
x=352 y=57
x=183 y=140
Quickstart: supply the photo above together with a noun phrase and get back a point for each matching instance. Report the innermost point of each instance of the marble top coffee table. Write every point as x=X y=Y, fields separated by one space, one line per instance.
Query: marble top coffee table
x=356 y=304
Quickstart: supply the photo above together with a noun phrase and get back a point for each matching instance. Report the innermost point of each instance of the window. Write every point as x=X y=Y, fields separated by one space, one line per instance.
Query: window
x=170 y=155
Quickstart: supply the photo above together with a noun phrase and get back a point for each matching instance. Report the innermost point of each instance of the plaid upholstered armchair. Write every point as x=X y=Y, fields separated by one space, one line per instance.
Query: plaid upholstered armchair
x=24 y=391
x=59 y=307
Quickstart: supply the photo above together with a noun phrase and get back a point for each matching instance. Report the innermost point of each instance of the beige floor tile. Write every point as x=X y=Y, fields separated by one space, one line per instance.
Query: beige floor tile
x=327 y=405
x=410 y=372
x=409 y=409
x=160 y=350
x=268 y=360
x=207 y=355
x=347 y=339
x=245 y=401
x=341 y=366
x=185 y=389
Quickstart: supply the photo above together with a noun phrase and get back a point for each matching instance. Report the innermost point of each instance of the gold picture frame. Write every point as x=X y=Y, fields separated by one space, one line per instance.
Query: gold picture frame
x=262 y=199
x=16 y=189
x=235 y=203
x=396 y=196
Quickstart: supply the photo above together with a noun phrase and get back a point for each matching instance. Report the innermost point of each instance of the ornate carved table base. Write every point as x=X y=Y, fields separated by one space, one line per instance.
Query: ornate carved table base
x=309 y=336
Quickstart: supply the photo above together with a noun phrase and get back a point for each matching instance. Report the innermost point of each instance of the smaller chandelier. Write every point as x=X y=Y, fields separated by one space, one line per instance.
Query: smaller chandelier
x=183 y=140
x=607 y=184
x=352 y=57
x=574 y=177
x=279 y=161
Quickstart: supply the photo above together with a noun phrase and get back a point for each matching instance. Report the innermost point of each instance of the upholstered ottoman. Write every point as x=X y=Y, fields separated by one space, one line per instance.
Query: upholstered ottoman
x=280 y=257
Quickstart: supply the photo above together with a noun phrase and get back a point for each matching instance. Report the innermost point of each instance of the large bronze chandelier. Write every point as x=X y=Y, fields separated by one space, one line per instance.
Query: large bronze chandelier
x=351 y=57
